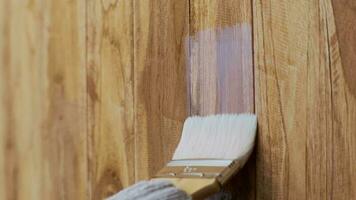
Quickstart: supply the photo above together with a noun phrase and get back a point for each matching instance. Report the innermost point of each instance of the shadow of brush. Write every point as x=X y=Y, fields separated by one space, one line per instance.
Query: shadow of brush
x=242 y=185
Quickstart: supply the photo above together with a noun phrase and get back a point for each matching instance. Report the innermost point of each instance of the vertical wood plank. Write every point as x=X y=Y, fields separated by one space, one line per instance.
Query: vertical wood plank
x=305 y=146
x=318 y=169
x=110 y=96
x=345 y=19
x=221 y=69
x=3 y=115
x=43 y=125
x=65 y=136
x=344 y=116
x=281 y=82
x=21 y=101
x=221 y=72
x=160 y=46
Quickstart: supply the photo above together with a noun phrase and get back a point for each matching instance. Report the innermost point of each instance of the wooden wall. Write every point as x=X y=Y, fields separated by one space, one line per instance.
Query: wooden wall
x=93 y=93
x=306 y=107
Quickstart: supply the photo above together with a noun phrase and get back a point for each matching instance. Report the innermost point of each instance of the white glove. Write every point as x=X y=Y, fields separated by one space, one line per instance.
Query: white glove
x=151 y=190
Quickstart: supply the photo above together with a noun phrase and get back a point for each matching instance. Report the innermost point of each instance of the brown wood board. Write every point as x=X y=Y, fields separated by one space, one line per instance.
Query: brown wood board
x=160 y=30
x=306 y=110
x=345 y=20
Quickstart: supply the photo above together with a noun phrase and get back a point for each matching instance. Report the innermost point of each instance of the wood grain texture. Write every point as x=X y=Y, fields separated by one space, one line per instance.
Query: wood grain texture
x=42 y=94
x=20 y=119
x=3 y=35
x=110 y=87
x=344 y=117
x=306 y=110
x=65 y=140
x=160 y=56
x=345 y=19
x=220 y=69
x=93 y=93
x=221 y=72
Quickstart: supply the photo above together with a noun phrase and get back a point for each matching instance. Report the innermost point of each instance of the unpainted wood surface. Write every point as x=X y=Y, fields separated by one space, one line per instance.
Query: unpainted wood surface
x=160 y=30
x=43 y=153
x=65 y=129
x=84 y=114
x=136 y=89
x=345 y=19
x=110 y=87
x=306 y=109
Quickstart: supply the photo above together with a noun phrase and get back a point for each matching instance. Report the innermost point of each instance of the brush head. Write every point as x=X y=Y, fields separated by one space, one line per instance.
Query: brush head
x=212 y=149
x=226 y=136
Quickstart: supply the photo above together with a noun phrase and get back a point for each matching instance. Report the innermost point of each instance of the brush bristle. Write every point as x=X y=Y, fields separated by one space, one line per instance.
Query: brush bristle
x=227 y=136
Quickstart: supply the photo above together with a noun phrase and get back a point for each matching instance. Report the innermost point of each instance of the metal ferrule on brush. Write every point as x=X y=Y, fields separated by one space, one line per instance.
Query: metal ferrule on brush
x=211 y=150
x=219 y=169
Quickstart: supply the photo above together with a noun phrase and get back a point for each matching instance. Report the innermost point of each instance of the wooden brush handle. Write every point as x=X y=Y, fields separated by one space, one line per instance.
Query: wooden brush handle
x=210 y=181
x=197 y=188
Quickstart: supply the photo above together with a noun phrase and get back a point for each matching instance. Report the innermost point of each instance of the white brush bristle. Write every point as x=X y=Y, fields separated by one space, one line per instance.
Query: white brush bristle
x=227 y=136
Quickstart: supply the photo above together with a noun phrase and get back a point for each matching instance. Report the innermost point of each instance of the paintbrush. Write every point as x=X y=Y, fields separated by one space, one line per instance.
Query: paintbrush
x=211 y=150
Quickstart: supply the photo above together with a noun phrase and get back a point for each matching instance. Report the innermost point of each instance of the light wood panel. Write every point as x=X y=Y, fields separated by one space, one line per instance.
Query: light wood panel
x=20 y=119
x=110 y=82
x=42 y=94
x=306 y=110
x=65 y=136
x=221 y=70
x=4 y=46
x=160 y=45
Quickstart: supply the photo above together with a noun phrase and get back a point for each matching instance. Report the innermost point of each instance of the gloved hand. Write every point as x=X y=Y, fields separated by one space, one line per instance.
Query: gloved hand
x=151 y=190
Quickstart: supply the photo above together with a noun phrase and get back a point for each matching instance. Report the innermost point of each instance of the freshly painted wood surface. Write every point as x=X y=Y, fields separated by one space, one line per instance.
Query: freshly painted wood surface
x=306 y=146
x=43 y=153
x=220 y=68
x=160 y=45
x=110 y=84
x=220 y=71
